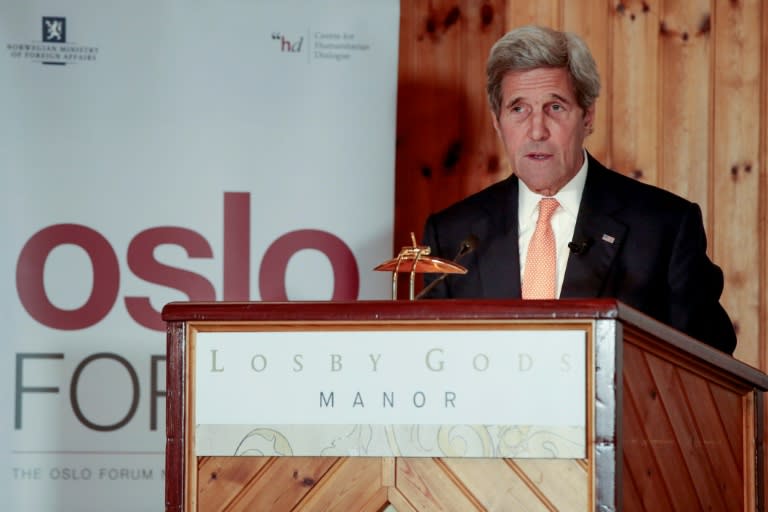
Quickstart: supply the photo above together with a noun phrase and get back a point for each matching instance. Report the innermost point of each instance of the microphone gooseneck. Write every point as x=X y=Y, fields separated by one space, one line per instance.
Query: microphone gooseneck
x=467 y=245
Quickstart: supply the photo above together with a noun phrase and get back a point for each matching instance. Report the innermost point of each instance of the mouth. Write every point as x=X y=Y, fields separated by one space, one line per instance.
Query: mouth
x=538 y=156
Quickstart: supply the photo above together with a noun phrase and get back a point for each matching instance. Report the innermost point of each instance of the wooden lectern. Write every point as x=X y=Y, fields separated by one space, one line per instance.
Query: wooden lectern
x=671 y=424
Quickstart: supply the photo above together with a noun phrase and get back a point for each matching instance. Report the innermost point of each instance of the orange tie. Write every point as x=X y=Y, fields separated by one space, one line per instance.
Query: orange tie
x=541 y=264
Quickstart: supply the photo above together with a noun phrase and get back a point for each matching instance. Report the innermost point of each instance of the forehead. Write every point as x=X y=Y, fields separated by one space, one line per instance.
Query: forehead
x=537 y=85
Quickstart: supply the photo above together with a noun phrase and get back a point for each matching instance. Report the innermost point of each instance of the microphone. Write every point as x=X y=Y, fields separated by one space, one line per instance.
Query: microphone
x=579 y=247
x=467 y=246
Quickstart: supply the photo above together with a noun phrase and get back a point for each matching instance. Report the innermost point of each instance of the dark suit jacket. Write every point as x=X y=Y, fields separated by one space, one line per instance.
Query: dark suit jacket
x=643 y=246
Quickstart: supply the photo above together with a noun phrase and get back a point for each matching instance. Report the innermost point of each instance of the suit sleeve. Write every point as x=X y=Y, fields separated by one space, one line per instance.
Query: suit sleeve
x=695 y=285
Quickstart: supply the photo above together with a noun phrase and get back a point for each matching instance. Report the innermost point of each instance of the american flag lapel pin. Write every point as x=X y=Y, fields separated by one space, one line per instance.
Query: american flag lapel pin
x=608 y=238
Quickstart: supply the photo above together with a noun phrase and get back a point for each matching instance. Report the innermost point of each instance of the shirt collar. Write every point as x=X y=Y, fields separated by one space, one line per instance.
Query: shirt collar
x=569 y=196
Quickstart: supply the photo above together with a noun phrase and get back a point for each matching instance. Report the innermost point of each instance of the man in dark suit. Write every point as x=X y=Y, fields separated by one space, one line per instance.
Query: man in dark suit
x=609 y=235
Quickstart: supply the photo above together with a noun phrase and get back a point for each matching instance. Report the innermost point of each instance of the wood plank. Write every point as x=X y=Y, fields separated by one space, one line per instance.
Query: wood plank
x=710 y=482
x=283 y=485
x=564 y=483
x=651 y=459
x=685 y=50
x=399 y=501
x=736 y=179
x=388 y=468
x=542 y=12
x=377 y=501
x=590 y=20
x=759 y=353
x=634 y=87
x=720 y=435
x=495 y=485
x=730 y=405
x=428 y=485
x=354 y=483
x=221 y=479
x=631 y=500
x=676 y=444
x=446 y=146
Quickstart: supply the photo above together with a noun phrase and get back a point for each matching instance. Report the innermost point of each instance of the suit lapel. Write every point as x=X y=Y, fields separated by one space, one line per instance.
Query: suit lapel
x=587 y=272
x=498 y=256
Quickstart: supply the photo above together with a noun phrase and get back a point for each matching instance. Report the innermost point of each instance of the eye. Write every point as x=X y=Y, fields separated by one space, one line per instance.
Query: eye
x=518 y=108
x=557 y=107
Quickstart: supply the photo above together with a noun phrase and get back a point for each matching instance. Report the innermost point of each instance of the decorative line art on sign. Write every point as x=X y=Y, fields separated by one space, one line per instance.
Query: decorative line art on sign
x=264 y=441
x=459 y=441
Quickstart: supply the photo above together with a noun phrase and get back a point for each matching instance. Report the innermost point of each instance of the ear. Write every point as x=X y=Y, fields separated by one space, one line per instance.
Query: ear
x=496 y=124
x=589 y=118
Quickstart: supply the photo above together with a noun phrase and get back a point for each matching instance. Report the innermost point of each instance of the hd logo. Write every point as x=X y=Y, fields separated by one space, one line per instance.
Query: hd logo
x=54 y=29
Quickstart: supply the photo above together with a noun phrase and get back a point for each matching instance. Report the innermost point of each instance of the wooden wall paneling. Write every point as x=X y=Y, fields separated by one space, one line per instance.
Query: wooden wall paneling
x=590 y=20
x=736 y=136
x=481 y=148
x=446 y=146
x=762 y=339
x=761 y=350
x=634 y=89
x=686 y=99
x=542 y=12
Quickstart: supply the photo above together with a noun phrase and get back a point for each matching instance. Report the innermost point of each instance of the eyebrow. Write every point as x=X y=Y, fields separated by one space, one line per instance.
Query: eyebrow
x=554 y=96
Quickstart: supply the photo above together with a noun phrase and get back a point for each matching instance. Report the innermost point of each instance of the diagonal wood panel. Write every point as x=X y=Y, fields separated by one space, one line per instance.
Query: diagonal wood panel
x=673 y=434
x=650 y=453
x=366 y=484
x=352 y=484
x=428 y=485
x=676 y=409
x=496 y=485
x=641 y=470
x=283 y=484
x=221 y=479
x=562 y=484
x=730 y=406
x=631 y=499
x=715 y=436
x=398 y=501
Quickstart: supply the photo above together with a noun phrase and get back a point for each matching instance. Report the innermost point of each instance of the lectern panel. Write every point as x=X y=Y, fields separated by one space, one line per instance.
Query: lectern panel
x=669 y=423
x=684 y=436
x=524 y=389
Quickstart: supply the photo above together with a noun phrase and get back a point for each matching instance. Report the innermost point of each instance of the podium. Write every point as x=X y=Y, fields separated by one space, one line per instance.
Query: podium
x=667 y=423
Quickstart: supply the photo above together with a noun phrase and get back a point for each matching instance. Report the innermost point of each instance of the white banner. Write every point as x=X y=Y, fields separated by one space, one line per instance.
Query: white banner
x=161 y=151
x=314 y=392
x=380 y=377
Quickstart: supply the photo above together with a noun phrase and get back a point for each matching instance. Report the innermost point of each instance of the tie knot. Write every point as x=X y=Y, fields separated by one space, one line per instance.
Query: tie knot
x=547 y=207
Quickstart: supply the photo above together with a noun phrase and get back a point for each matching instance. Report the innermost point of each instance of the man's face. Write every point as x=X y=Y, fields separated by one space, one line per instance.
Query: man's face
x=542 y=127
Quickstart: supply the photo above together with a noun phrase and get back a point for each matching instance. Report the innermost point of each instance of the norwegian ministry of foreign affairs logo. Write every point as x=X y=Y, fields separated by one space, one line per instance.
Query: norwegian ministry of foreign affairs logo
x=52 y=49
x=54 y=29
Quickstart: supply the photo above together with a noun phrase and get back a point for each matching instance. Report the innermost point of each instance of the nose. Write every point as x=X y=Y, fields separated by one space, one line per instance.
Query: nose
x=538 y=129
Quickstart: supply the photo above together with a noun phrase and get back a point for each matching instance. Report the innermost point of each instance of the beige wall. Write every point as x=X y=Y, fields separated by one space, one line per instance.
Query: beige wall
x=684 y=106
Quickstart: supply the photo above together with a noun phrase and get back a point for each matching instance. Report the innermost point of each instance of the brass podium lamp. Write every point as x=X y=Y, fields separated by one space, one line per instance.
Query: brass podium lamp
x=417 y=260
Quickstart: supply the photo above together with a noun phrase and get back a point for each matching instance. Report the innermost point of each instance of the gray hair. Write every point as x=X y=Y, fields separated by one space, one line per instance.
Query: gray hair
x=532 y=47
